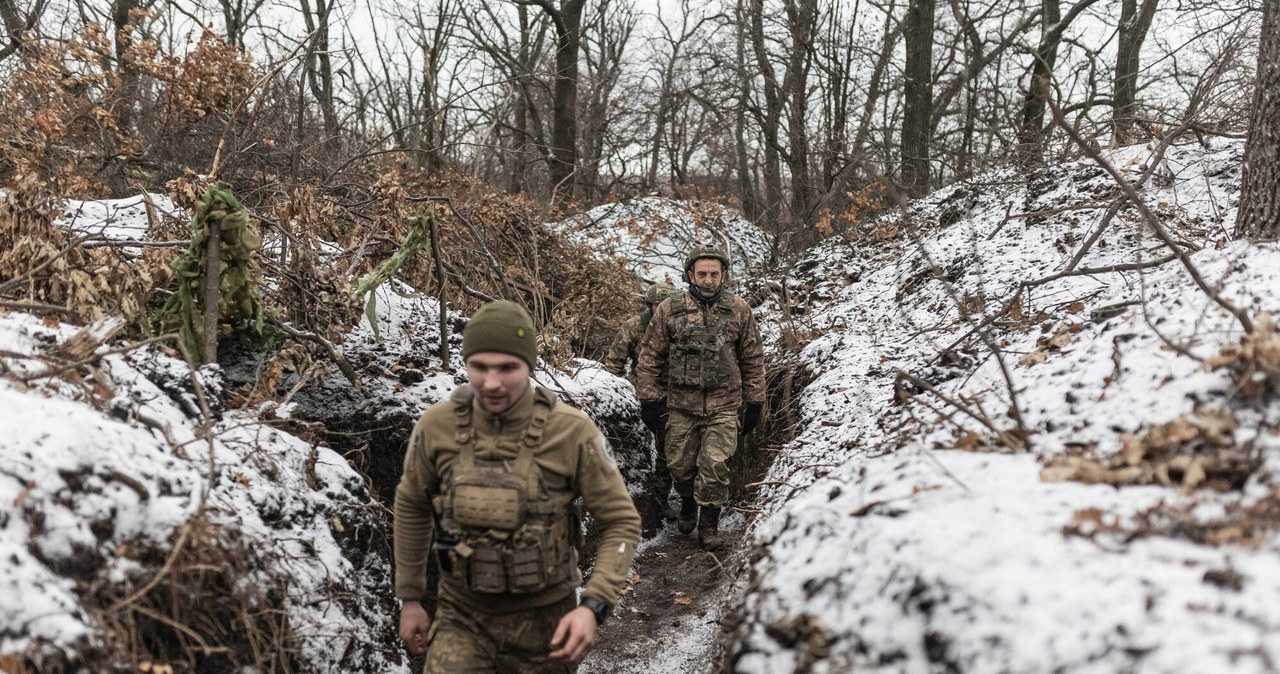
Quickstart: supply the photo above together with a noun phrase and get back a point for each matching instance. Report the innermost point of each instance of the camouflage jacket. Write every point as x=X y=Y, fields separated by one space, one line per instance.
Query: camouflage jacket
x=625 y=344
x=712 y=355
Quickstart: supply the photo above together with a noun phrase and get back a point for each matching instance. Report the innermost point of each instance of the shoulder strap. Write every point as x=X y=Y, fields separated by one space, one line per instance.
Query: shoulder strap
x=463 y=433
x=679 y=305
x=543 y=402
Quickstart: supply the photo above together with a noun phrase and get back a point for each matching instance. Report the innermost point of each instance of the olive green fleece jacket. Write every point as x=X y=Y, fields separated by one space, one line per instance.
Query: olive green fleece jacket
x=572 y=458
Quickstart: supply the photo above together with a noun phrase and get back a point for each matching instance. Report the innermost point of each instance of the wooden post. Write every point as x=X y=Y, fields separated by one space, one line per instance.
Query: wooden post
x=212 y=281
x=444 y=315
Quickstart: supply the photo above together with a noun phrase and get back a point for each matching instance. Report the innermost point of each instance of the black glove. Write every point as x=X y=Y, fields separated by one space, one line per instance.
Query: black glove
x=651 y=412
x=750 y=418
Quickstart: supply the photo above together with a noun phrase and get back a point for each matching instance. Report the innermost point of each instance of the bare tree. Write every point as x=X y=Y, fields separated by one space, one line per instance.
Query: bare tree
x=1053 y=23
x=1259 y=210
x=675 y=42
x=604 y=43
x=964 y=85
x=567 y=19
x=516 y=138
x=917 y=116
x=785 y=98
x=17 y=23
x=319 y=65
x=1135 y=22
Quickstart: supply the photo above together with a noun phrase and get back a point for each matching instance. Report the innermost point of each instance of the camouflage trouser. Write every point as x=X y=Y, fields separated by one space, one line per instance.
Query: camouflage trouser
x=698 y=453
x=661 y=473
x=465 y=642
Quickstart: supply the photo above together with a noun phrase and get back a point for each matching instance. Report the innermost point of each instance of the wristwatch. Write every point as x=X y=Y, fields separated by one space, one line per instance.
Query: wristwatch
x=597 y=607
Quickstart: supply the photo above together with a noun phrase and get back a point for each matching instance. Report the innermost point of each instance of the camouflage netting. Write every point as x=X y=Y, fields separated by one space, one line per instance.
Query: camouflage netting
x=240 y=281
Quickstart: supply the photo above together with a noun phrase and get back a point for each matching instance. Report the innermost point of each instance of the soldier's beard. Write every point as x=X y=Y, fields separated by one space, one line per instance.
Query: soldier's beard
x=707 y=292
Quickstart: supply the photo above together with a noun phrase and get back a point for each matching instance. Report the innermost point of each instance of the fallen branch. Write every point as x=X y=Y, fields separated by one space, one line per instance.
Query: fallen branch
x=343 y=364
x=1152 y=221
x=1008 y=440
x=58 y=368
x=35 y=306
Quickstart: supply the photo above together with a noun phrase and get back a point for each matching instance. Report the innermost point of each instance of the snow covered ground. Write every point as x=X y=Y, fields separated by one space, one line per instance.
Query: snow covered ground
x=111 y=484
x=907 y=536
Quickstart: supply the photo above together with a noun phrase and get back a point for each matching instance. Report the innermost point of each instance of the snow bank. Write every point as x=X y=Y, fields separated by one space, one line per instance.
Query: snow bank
x=891 y=548
x=104 y=476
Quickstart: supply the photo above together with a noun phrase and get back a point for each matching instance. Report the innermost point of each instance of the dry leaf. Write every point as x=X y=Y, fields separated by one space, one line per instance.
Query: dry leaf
x=1087 y=520
x=1133 y=449
x=1194 y=475
x=13 y=663
x=1166 y=436
x=968 y=441
x=1216 y=426
x=1034 y=358
x=1061 y=339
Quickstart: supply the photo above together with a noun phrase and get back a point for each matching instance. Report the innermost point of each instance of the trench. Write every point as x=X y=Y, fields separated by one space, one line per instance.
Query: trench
x=672 y=613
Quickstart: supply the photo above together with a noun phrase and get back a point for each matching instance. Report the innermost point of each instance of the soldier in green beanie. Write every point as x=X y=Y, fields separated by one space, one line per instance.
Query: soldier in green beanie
x=490 y=478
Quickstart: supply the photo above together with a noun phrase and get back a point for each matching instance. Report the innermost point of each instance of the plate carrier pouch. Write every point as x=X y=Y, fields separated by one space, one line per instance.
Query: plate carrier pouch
x=699 y=357
x=512 y=534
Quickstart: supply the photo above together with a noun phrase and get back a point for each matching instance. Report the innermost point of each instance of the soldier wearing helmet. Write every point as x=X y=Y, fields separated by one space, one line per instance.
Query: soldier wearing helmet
x=622 y=351
x=633 y=331
x=706 y=344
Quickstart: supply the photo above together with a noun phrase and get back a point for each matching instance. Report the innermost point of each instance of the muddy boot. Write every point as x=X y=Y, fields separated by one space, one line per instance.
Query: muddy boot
x=708 y=529
x=688 y=514
x=662 y=492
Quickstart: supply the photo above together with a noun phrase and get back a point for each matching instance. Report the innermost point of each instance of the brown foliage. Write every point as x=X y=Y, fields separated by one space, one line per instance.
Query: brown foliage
x=1195 y=452
x=41 y=262
x=195 y=613
x=1254 y=363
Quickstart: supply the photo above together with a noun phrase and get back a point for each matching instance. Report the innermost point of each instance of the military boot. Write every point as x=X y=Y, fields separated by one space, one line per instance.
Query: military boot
x=662 y=491
x=708 y=529
x=688 y=514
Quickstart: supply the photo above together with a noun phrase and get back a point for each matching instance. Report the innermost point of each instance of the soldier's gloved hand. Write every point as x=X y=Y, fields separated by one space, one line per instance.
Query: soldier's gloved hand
x=750 y=418
x=651 y=414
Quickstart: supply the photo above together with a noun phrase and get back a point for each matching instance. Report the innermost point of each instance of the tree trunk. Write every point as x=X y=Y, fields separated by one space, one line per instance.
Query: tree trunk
x=129 y=76
x=770 y=118
x=1259 y=212
x=564 y=134
x=319 y=68
x=1031 y=133
x=1134 y=24
x=1053 y=25
x=801 y=17
x=917 y=113
x=16 y=25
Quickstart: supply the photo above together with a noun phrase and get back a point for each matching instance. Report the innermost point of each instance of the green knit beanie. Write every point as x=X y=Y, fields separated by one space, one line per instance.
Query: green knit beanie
x=501 y=327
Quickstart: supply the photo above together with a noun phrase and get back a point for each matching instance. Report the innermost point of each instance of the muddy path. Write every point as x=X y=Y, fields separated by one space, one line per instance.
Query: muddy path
x=669 y=616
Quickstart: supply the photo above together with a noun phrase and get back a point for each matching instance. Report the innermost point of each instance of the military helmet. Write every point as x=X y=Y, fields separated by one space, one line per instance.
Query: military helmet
x=658 y=292
x=705 y=251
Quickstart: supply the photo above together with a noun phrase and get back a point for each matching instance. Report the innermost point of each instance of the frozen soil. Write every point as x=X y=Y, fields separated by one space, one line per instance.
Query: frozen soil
x=669 y=616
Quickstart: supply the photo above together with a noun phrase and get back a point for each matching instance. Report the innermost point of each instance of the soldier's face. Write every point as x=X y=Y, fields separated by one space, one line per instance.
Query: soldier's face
x=499 y=379
x=707 y=274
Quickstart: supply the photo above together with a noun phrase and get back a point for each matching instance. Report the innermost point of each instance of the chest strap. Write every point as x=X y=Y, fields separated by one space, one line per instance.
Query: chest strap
x=530 y=439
